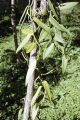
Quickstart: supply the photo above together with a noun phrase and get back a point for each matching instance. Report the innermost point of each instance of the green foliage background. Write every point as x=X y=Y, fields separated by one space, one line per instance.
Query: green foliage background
x=66 y=93
x=65 y=88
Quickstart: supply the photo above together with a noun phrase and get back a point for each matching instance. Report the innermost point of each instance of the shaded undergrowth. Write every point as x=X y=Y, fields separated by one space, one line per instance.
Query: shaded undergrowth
x=12 y=89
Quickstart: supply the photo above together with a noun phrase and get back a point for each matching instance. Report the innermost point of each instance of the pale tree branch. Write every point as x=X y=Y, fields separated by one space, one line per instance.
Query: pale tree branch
x=30 y=76
x=31 y=71
x=43 y=7
x=30 y=79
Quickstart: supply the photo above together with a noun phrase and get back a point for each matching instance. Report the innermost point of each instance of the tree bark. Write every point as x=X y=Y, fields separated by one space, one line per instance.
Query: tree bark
x=13 y=23
x=43 y=7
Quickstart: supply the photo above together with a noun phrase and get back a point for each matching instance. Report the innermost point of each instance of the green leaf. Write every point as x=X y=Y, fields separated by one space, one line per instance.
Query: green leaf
x=34 y=111
x=42 y=25
x=59 y=47
x=40 y=99
x=65 y=30
x=67 y=7
x=57 y=25
x=24 y=42
x=47 y=90
x=36 y=96
x=26 y=31
x=47 y=51
x=30 y=47
x=58 y=37
x=20 y=114
x=52 y=8
x=42 y=36
x=64 y=63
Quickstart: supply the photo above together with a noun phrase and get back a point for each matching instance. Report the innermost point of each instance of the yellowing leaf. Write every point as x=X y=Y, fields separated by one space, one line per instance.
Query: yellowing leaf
x=64 y=63
x=42 y=25
x=48 y=50
x=26 y=31
x=30 y=47
x=24 y=42
x=47 y=90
